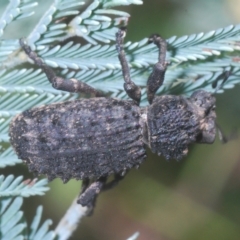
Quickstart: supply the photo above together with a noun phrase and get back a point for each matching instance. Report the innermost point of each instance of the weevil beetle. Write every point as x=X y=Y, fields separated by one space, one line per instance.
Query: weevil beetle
x=90 y=139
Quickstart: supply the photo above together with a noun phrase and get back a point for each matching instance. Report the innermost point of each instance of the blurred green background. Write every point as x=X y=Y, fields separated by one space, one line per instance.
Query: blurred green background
x=197 y=198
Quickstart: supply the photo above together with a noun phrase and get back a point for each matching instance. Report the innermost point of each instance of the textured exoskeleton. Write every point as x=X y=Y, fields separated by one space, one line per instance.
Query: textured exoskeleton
x=90 y=139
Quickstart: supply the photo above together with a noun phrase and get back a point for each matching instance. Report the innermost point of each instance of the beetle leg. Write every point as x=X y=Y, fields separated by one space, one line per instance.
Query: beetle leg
x=85 y=184
x=69 y=85
x=132 y=90
x=224 y=77
x=156 y=78
x=88 y=197
x=113 y=183
x=89 y=194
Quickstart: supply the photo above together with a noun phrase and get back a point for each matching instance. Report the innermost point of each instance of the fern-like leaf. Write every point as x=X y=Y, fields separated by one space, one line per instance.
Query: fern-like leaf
x=92 y=24
x=11 y=225
x=14 y=227
x=43 y=232
x=10 y=186
x=15 y=10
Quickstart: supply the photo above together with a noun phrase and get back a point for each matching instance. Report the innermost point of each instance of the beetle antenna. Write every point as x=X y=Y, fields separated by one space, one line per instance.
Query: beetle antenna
x=224 y=77
x=223 y=138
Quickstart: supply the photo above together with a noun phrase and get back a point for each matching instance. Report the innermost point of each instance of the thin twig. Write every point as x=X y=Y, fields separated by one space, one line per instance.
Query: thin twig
x=134 y=236
x=70 y=220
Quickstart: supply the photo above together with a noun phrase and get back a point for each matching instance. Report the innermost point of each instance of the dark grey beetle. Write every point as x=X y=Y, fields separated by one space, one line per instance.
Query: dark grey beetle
x=90 y=139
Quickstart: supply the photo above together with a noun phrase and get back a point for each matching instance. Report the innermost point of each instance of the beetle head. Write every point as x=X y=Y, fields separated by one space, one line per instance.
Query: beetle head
x=204 y=100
